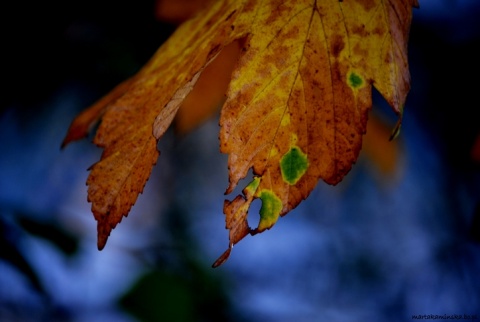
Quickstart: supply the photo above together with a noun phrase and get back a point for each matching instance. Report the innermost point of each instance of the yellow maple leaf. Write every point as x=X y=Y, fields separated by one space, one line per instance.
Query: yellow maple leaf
x=295 y=111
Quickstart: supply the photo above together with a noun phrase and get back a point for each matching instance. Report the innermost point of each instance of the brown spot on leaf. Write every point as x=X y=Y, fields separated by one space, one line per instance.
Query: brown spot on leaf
x=367 y=4
x=358 y=30
x=337 y=45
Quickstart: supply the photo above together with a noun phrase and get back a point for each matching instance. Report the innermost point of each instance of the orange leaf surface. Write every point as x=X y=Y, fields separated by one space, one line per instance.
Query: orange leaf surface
x=295 y=110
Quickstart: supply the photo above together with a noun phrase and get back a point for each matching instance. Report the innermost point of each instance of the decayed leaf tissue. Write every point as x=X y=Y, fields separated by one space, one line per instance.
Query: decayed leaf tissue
x=294 y=111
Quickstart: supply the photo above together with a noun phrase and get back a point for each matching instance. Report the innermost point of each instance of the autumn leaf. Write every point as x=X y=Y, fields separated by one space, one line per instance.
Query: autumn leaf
x=296 y=105
x=176 y=11
x=381 y=152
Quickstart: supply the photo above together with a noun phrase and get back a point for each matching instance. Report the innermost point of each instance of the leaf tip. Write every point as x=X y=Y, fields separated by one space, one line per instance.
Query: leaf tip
x=230 y=188
x=73 y=134
x=223 y=258
x=397 y=128
x=101 y=245
x=102 y=236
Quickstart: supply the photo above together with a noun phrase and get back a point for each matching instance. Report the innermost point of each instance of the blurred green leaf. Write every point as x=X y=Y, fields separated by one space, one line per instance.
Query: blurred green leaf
x=159 y=296
x=188 y=294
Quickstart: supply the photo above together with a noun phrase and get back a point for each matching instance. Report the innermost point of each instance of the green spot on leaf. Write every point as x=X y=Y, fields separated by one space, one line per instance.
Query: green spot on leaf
x=252 y=186
x=355 y=80
x=270 y=211
x=293 y=165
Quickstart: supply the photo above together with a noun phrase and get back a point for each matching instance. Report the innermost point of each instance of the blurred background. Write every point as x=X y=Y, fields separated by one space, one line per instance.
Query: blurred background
x=399 y=236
